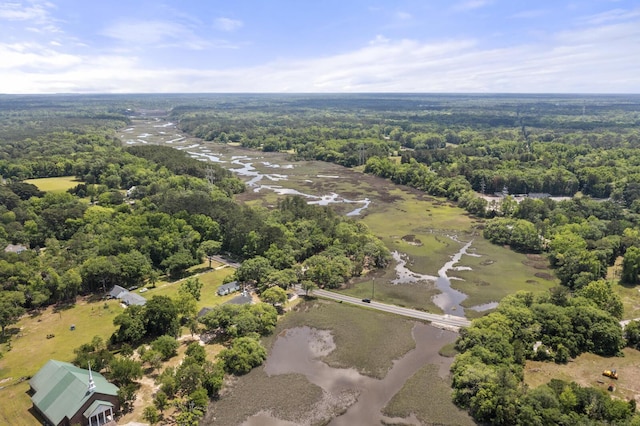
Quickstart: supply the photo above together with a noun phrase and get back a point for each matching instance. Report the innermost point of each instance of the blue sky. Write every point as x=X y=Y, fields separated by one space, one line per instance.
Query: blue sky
x=483 y=46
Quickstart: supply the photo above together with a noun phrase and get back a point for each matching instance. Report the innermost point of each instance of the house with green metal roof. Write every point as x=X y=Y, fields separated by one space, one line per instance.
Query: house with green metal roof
x=66 y=395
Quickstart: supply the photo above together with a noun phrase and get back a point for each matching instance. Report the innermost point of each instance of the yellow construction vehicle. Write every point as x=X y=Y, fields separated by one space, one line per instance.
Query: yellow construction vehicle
x=610 y=373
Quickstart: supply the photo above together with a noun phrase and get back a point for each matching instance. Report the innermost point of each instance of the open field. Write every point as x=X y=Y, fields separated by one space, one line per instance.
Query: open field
x=30 y=350
x=55 y=184
x=630 y=294
x=211 y=280
x=586 y=370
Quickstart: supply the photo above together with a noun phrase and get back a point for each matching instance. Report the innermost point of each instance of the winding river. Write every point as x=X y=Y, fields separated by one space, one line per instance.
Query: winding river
x=160 y=132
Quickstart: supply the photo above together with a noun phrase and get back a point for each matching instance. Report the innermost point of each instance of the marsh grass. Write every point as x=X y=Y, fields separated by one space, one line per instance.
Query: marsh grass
x=411 y=295
x=499 y=271
x=366 y=340
x=428 y=396
x=288 y=396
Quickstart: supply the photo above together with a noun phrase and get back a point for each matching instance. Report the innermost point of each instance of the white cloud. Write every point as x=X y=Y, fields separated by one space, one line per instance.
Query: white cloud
x=404 y=16
x=611 y=15
x=155 y=34
x=35 y=12
x=20 y=12
x=227 y=24
x=530 y=14
x=471 y=5
x=34 y=56
x=599 y=59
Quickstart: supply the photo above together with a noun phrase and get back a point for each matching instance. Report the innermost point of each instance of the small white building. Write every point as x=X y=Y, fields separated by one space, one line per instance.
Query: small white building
x=231 y=287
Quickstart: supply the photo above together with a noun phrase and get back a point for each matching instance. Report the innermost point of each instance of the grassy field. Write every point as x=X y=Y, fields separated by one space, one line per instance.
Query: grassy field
x=586 y=370
x=630 y=294
x=211 y=280
x=424 y=386
x=55 y=184
x=30 y=350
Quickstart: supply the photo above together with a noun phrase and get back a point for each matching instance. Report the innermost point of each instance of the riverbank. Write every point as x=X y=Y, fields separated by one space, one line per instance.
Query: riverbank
x=330 y=362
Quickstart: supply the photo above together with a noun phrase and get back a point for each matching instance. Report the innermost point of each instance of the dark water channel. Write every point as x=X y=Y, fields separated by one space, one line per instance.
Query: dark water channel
x=299 y=350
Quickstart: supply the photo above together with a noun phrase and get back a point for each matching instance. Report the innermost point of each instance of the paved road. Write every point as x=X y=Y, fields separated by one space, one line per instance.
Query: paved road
x=448 y=322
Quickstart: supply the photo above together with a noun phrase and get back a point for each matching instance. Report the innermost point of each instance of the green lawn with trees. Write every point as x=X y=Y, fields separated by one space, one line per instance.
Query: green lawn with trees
x=145 y=214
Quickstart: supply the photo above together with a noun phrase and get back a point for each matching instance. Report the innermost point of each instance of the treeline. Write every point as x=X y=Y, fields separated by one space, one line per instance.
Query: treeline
x=140 y=213
x=477 y=146
x=536 y=144
x=488 y=374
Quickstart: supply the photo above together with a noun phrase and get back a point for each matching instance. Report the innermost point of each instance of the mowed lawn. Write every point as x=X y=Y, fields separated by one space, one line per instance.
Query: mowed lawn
x=30 y=348
x=586 y=370
x=211 y=280
x=55 y=184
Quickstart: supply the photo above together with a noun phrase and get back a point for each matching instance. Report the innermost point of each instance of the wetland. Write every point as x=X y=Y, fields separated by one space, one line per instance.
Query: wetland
x=435 y=270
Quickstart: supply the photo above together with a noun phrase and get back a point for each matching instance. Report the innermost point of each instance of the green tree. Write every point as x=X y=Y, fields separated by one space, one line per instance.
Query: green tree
x=197 y=352
x=308 y=286
x=244 y=354
x=100 y=273
x=284 y=278
x=160 y=400
x=151 y=414
x=94 y=353
x=124 y=370
x=631 y=266
x=601 y=293
x=167 y=346
x=126 y=395
x=274 y=295
x=178 y=262
x=189 y=377
x=192 y=286
x=134 y=267
x=632 y=334
x=256 y=269
x=10 y=307
x=131 y=325
x=210 y=248
x=187 y=305
x=198 y=399
x=153 y=358
x=161 y=316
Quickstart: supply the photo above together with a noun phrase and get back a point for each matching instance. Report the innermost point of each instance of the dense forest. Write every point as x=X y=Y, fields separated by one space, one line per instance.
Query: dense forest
x=142 y=213
x=145 y=211
x=527 y=149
